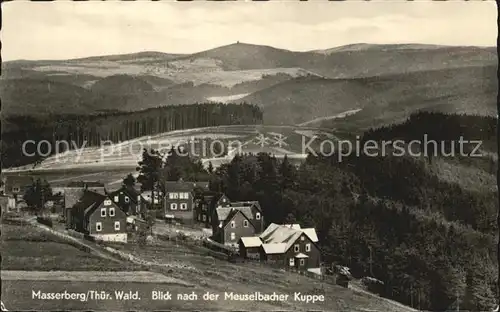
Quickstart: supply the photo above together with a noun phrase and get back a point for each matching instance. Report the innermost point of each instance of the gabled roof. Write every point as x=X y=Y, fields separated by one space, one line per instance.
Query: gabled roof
x=311 y=233
x=247 y=203
x=282 y=234
x=88 y=203
x=130 y=191
x=224 y=212
x=293 y=226
x=277 y=248
x=251 y=241
x=72 y=196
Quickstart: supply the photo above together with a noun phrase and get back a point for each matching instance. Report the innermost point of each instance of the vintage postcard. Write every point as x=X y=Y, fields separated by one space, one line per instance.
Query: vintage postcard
x=249 y=156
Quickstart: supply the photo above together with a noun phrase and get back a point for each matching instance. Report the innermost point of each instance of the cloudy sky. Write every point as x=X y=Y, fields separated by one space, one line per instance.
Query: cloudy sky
x=62 y=30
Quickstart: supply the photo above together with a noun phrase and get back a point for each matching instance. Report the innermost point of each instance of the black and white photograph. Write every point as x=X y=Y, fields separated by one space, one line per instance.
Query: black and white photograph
x=249 y=156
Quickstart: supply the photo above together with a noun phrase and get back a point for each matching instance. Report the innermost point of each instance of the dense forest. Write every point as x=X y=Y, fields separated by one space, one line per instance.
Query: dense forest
x=90 y=130
x=432 y=243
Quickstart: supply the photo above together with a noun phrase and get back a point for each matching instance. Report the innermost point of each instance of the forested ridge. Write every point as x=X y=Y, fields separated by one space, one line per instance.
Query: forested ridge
x=115 y=126
x=432 y=243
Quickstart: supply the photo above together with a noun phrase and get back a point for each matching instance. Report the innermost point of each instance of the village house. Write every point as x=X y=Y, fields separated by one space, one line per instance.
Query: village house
x=230 y=223
x=98 y=216
x=8 y=203
x=289 y=246
x=178 y=201
x=16 y=185
x=130 y=201
x=74 y=191
x=257 y=215
x=205 y=205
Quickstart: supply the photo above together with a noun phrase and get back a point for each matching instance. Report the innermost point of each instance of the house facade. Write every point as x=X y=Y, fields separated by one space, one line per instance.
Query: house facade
x=130 y=201
x=16 y=185
x=288 y=246
x=206 y=204
x=74 y=191
x=230 y=224
x=98 y=216
x=179 y=199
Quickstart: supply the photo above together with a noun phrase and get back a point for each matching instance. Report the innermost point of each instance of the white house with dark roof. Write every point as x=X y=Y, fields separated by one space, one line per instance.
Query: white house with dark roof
x=288 y=245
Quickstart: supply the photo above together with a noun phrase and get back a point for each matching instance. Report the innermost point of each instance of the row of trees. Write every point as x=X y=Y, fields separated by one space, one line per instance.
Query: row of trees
x=92 y=130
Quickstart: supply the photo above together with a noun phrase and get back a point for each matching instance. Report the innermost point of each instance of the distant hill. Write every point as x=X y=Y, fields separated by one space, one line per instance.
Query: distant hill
x=121 y=84
x=388 y=98
x=294 y=87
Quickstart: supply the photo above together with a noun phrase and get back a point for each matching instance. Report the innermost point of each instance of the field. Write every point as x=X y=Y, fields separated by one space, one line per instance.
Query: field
x=32 y=249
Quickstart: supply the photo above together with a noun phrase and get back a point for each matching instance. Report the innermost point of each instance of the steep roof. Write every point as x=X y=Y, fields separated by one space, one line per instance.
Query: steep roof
x=71 y=196
x=130 y=191
x=224 y=212
x=277 y=248
x=283 y=234
x=247 y=203
x=251 y=241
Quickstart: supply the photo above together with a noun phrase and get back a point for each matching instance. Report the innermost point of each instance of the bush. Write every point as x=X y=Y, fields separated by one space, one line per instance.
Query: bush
x=45 y=221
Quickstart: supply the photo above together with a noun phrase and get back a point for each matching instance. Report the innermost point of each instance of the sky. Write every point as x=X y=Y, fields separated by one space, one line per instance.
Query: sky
x=64 y=30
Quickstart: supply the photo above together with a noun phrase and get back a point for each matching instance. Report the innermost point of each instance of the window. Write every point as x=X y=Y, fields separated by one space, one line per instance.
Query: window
x=184 y=206
x=173 y=206
x=16 y=189
x=308 y=247
x=138 y=198
x=171 y=195
x=292 y=261
x=98 y=226
x=176 y=195
x=103 y=212
x=117 y=225
x=301 y=262
x=204 y=218
x=302 y=238
x=233 y=236
x=257 y=216
x=107 y=202
x=181 y=195
x=186 y=195
x=111 y=212
x=116 y=199
x=127 y=199
x=296 y=248
x=245 y=223
x=233 y=225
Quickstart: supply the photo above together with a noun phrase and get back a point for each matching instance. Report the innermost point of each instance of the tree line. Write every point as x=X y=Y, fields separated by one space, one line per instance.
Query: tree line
x=91 y=130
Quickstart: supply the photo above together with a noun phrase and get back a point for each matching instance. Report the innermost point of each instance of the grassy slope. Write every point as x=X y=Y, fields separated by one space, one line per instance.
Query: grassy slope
x=29 y=248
